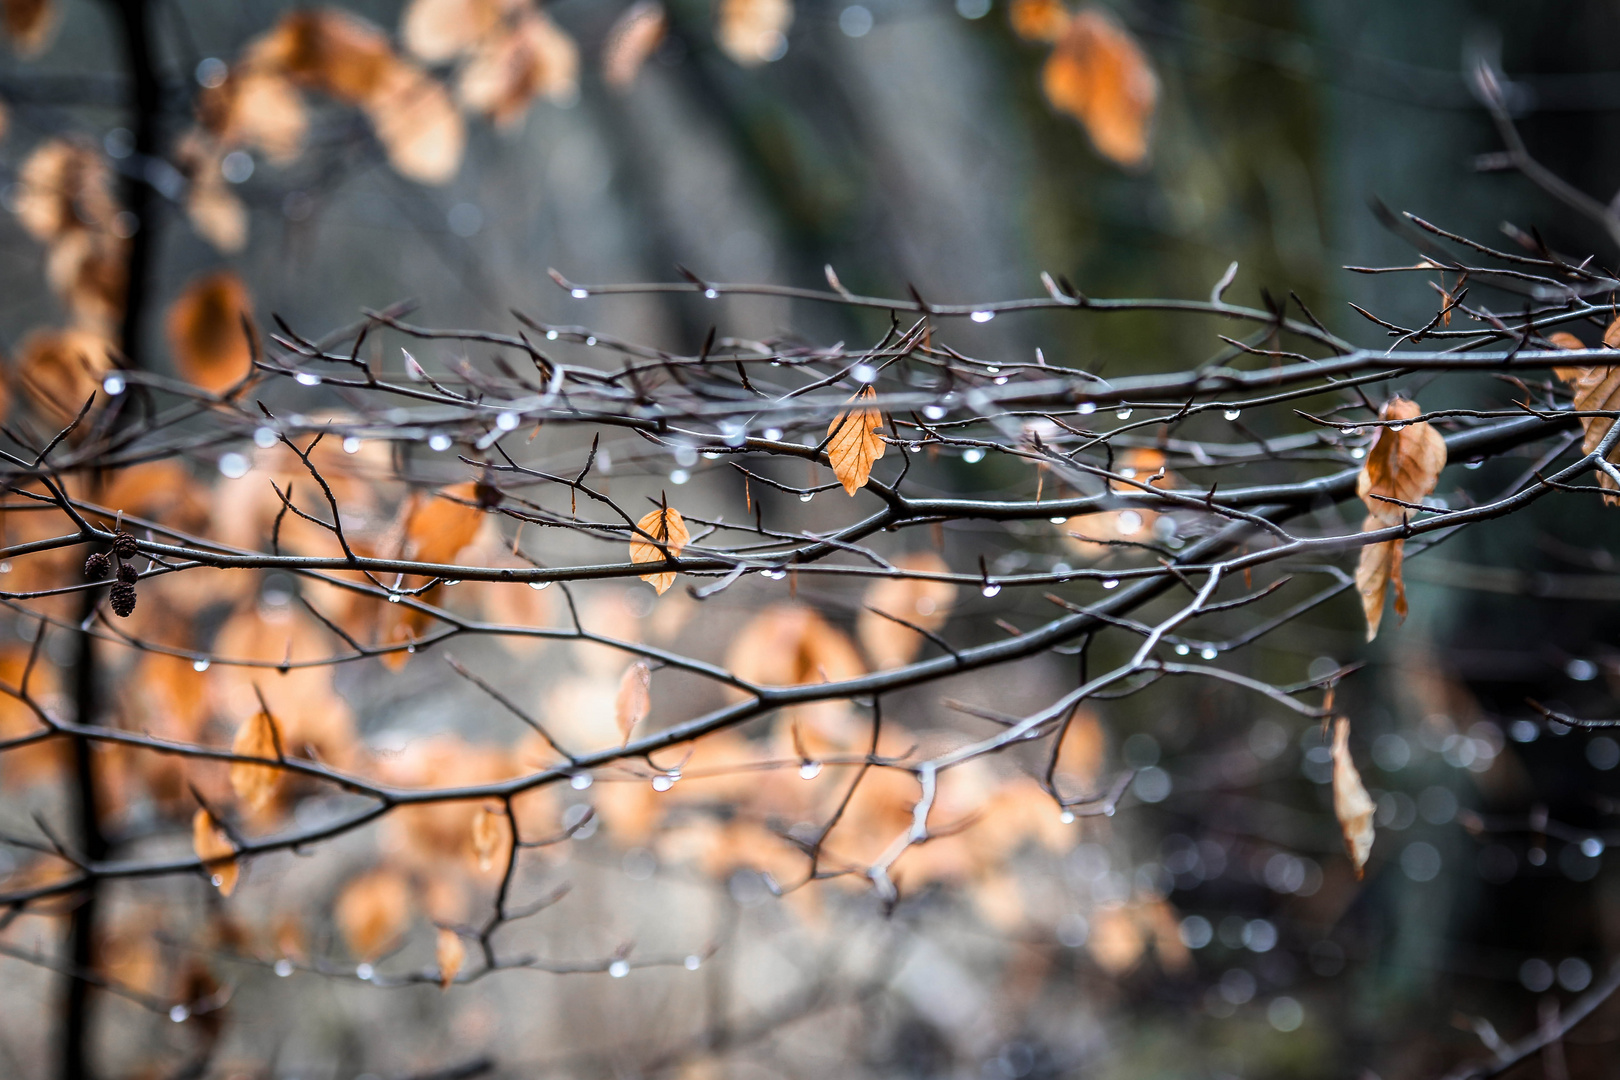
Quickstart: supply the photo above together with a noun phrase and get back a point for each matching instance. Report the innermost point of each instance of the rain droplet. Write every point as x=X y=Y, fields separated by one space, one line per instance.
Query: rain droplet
x=1086 y=408
x=663 y=783
x=1001 y=380
x=973 y=456
x=351 y=445
x=618 y=969
x=283 y=967
x=710 y=294
x=113 y=384
x=233 y=466
x=1067 y=817
x=200 y=664
x=507 y=421
x=914 y=447
x=1352 y=431
x=216 y=881
x=776 y=574
x=773 y=434
x=810 y=770
x=551 y=335
x=1111 y=583
x=179 y=1014
x=394 y=598
x=982 y=316
x=1123 y=414
x=1058 y=520
x=591 y=340
x=1183 y=649
x=264 y=438
x=411 y=648
x=538 y=585
x=1358 y=453
x=694 y=962
x=1208 y=652
x=807 y=496
x=1232 y=414
x=580 y=781
x=365 y=971
x=863 y=373
x=934 y=412
x=1472 y=464
x=439 y=443
x=1396 y=427
x=307 y=378
x=991 y=590
x=679 y=476
x=578 y=294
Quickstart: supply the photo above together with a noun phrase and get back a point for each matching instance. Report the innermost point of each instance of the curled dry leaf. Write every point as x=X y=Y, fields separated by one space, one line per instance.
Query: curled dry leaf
x=1098 y=74
x=1403 y=464
x=1596 y=389
x=450 y=953
x=208 y=332
x=1038 y=20
x=509 y=70
x=438 y=526
x=60 y=369
x=634 y=37
x=29 y=23
x=1351 y=803
x=634 y=700
x=790 y=645
x=666 y=526
x=372 y=912
x=853 y=443
x=753 y=32
x=919 y=601
x=441 y=30
x=213 y=846
x=258 y=107
x=257 y=737
x=418 y=125
x=486 y=836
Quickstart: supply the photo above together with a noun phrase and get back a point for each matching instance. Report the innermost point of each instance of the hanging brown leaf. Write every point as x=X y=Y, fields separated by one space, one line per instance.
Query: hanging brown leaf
x=372 y=913
x=634 y=701
x=254 y=784
x=441 y=30
x=1038 y=20
x=438 y=526
x=1098 y=74
x=1596 y=389
x=753 y=32
x=450 y=953
x=1404 y=465
x=853 y=443
x=417 y=124
x=328 y=50
x=60 y=369
x=207 y=332
x=258 y=107
x=508 y=71
x=213 y=846
x=921 y=602
x=790 y=645
x=666 y=526
x=29 y=23
x=1351 y=803
x=635 y=35
x=486 y=836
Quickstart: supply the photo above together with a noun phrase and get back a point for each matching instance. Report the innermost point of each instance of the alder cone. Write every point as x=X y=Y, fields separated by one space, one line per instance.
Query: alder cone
x=97 y=566
x=127 y=574
x=123 y=599
x=124 y=546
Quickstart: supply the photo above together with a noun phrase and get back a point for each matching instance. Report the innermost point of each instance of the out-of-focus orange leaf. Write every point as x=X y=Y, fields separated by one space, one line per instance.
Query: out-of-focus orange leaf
x=1597 y=389
x=257 y=737
x=441 y=30
x=213 y=846
x=1403 y=464
x=64 y=186
x=666 y=526
x=40 y=761
x=486 y=836
x=853 y=441
x=418 y=125
x=372 y=912
x=257 y=107
x=920 y=602
x=329 y=50
x=218 y=215
x=634 y=37
x=439 y=526
x=634 y=700
x=789 y=645
x=1098 y=74
x=1116 y=941
x=1351 y=803
x=29 y=23
x=1080 y=755
x=208 y=331
x=59 y=369
x=1105 y=532
x=508 y=71
x=753 y=32
x=1038 y=20
x=449 y=952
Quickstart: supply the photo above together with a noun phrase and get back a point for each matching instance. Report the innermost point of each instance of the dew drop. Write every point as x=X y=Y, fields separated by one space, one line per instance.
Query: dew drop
x=538 y=585
x=1001 y=380
x=439 y=443
x=365 y=972
x=807 y=496
x=1352 y=431
x=411 y=648
x=694 y=962
x=973 y=456
x=179 y=1014
x=216 y=881
x=914 y=447
x=991 y=590
x=394 y=598
x=307 y=378
x=934 y=412
x=1232 y=414
x=1108 y=811
x=551 y=335
x=200 y=664
x=982 y=316
x=1067 y=817
x=1123 y=414
x=351 y=445
x=1208 y=652
x=1086 y=408
x=591 y=340
x=1396 y=427
x=113 y=384
x=283 y=967
x=580 y=781
x=810 y=770
x=1472 y=464
x=863 y=373
x=1358 y=453
x=662 y=783
x=1183 y=649
x=507 y=421
x=1111 y=583
x=578 y=294
x=264 y=438
x=773 y=434
x=679 y=476
x=710 y=294
x=618 y=969
x=776 y=574
x=1058 y=520
x=992 y=369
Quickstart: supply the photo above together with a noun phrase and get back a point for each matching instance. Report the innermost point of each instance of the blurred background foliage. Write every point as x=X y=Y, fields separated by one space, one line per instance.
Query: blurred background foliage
x=909 y=144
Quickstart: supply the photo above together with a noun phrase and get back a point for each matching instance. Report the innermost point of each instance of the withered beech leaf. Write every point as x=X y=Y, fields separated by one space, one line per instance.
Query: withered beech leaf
x=1351 y=803
x=752 y=32
x=1596 y=389
x=372 y=912
x=29 y=23
x=633 y=38
x=509 y=70
x=919 y=601
x=486 y=836
x=254 y=784
x=449 y=952
x=666 y=526
x=634 y=700
x=440 y=30
x=1403 y=464
x=1098 y=74
x=206 y=331
x=215 y=849
x=439 y=526
x=853 y=441
x=1038 y=20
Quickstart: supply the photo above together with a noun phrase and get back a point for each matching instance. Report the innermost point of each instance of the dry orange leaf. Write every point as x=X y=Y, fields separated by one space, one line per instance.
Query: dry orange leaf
x=64 y=186
x=449 y=952
x=441 y=30
x=920 y=602
x=372 y=912
x=510 y=70
x=218 y=215
x=853 y=443
x=29 y=23
x=634 y=701
x=1098 y=74
x=1351 y=803
x=1597 y=389
x=1038 y=20
x=634 y=37
x=790 y=645
x=59 y=369
x=255 y=106
x=753 y=32
x=213 y=846
x=257 y=737
x=439 y=526
x=1404 y=464
x=207 y=332
x=486 y=836
x=666 y=526
x=329 y=50
x=418 y=124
